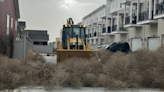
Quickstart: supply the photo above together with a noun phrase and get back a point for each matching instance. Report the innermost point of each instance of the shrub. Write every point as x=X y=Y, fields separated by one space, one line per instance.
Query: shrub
x=141 y=69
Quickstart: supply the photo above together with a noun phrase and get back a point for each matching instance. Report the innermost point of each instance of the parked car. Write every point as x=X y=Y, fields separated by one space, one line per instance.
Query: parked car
x=108 y=45
x=114 y=47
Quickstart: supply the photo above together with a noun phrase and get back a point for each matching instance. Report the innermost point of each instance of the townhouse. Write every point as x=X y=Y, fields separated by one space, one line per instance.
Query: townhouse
x=115 y=14
x=95 y=25
x=138 y=22
x=144 y=35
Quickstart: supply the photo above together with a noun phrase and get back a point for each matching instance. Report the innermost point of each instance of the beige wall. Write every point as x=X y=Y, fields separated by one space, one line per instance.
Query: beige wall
x=117 y=38
x=111 y=38
x=150 y=31
x=134 y=33
x=106 y=39
x=160 y=31
x=124 y=37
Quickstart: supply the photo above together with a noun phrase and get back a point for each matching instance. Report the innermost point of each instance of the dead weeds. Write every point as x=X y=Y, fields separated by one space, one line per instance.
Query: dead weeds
x=141 y=69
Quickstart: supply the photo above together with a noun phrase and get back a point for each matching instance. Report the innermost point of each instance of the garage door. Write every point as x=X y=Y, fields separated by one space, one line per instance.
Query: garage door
x=153 y=43
x=136 y=44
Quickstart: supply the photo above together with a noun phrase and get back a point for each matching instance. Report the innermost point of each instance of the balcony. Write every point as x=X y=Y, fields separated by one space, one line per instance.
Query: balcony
x=86 y=36
x=89 y=36
x=144 y=18
x=114 y=27
x=104 y=31
x=120 y=31
x=95 y=34
x=131 y=24
x=127 y=2
x=159 y=11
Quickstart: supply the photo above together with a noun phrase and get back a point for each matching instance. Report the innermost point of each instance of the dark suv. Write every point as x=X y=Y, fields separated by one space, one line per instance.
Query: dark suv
x=123 y=47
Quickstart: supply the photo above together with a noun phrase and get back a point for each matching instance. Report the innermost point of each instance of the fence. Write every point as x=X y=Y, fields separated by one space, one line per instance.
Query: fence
x=22 y=47
x=43 y=49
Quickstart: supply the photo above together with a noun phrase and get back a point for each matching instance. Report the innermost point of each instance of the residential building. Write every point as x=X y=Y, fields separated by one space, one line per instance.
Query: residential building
x=138 y=22
x=159 y=15
x=9 y=15
x=95 y=26
x=39 y=37
x=115 y=10
x=21 y=27
x=143 y=33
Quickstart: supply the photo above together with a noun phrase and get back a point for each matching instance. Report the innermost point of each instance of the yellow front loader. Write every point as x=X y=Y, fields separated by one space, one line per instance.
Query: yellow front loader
x=73 y=43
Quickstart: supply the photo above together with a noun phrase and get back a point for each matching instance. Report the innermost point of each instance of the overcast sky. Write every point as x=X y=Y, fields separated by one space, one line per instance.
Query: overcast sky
x=50 y=15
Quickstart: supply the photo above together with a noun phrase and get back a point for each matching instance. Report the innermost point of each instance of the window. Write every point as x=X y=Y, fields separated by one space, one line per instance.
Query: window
x=8 y=21
x=15 y=25
x=120 y=5
x=11 y=23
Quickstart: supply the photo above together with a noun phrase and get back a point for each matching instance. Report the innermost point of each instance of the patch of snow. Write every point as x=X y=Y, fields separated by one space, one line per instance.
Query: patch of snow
x=51 y=59
x=83 y=89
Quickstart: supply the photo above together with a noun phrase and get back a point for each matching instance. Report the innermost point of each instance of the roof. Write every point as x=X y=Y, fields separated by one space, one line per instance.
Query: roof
x=38 y=35
x=37 y=31
x=17 y=8
x=101 y=7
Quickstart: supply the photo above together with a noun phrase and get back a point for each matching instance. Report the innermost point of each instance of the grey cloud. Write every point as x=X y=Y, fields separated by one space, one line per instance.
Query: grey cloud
x=48 y=14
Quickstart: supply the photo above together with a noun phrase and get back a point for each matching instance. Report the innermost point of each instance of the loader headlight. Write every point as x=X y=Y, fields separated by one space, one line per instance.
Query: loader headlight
x=66 y=25
x=84 y=26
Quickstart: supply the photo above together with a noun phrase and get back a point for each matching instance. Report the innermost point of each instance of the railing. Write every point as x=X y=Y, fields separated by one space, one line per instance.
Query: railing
x=121 y=27
x=127 y=20
x=160 y=8
x=104 y=30
x=114 y=27
x=95 y=34
x=144 y=16
x=134 y=20
x=109 y=30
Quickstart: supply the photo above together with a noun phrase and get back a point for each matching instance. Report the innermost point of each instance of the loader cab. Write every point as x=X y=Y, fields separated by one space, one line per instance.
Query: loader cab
x=70 y=31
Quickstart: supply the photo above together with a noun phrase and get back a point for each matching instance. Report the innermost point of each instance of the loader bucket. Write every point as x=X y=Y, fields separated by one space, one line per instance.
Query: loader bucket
x=63 y=55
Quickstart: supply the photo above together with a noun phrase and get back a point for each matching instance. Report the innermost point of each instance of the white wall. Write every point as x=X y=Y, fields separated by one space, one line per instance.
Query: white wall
x=94 y=17
x=115 y=5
